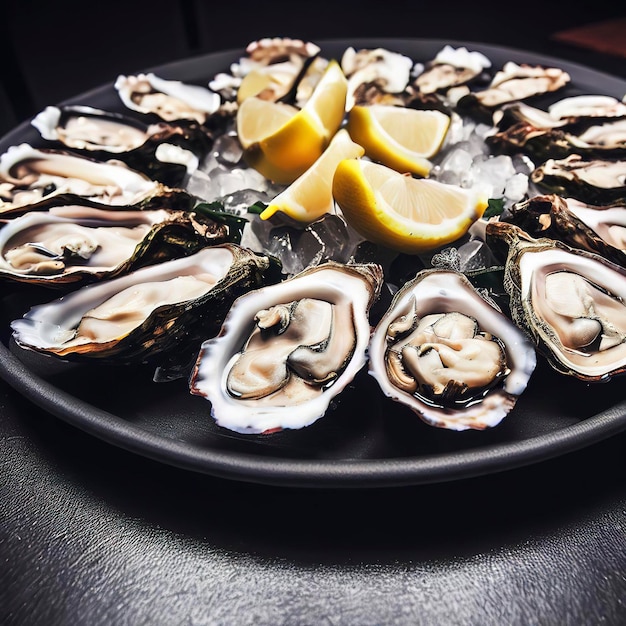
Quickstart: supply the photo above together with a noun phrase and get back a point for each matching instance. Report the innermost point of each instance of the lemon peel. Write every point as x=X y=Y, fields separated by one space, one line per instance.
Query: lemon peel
x=402 y=138
x=403 y=213
x=310 y=195
x=283 y=143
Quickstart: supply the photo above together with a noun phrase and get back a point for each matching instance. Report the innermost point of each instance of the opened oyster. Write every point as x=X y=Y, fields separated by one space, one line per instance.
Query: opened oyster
x=448 y=354
x=165 y=152
x=594 y=181
x=571 y=302
x=450 y=68
x=154 y=309
x=286 y=351
x=29 y=175
x=73 y=243
x=169 y=100
x=599 y=229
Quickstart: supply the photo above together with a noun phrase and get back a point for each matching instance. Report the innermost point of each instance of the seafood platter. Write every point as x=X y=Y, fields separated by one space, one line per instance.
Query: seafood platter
x=203 y=263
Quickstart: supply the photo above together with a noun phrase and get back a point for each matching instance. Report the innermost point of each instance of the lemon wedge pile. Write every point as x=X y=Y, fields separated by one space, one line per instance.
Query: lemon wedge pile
x=281 y=141
x=310 y=196
x=400 y=212
x=402 y=138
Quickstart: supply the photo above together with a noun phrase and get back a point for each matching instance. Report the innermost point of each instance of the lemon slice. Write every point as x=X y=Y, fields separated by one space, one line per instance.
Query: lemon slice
x=282 y=142
x=401 y=138
x=403 y=213
x=310 y=196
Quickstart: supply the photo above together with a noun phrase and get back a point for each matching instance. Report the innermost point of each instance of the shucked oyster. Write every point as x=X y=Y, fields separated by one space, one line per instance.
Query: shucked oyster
x=151 y=310
x=448 y=354
x=76 y=243
x=169 y=100
x=599 y=229
x=164 y=152
x=29 y=175
x=287 y=350
x=571 y=302
x=594 y=181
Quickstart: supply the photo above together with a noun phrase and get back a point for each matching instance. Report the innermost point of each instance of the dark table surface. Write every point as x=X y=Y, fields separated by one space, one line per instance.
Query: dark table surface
x=93 y=534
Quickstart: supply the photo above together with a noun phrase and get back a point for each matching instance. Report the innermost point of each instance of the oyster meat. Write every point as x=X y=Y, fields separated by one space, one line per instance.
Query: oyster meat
x=77 y=243
x=165 y=152
x=134 y=317
x=599 y=229
x=448 y=354
x=286 y=351
x=594 y=181
x=29 y=175
x=570 y=301
x=169 y=100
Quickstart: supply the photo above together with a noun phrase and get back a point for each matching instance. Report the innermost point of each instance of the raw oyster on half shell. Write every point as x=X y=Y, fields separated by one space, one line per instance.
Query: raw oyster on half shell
x=286 y=351
x=154 y=309
x=571 y=302
x=29 y=175
x=165 y=152
x=449 y=354
x=78 y=243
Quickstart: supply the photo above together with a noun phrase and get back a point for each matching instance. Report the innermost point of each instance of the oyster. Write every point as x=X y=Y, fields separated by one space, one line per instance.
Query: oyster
x=164 y=152
x=571 y=302
x=450 y=68
x=146 y=312
x=599 y=229
x=286 y=351
x=512 y=83
x=28 y=175
x=78 y=243
x=375 y=75
x=594 y=181
x=169 y=100
x=449 y=354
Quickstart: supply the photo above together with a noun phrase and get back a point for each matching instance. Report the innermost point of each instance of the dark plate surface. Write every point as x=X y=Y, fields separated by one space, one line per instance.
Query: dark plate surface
x=366 y=440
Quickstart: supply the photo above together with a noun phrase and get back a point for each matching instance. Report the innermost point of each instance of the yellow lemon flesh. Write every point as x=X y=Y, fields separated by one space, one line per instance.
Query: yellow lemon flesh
x=282 y=142
x=402 y=138
x=310 y=196
x=406 y=214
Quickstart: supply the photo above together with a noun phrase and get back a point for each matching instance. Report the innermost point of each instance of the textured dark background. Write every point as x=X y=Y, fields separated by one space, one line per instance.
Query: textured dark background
x=93 y=535
x=50 y=51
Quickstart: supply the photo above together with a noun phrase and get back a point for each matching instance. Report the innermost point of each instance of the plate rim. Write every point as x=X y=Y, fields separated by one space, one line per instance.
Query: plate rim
x=271 y=470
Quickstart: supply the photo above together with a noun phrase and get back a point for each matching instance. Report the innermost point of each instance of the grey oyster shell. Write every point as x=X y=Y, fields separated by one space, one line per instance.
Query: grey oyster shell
x=76 y=243
x=155 y=309
x=166 y=152
x=594 y=181
x=449 y=354
x=30 y=176
x=599 y=229
x=570 y=302
x=286 y=351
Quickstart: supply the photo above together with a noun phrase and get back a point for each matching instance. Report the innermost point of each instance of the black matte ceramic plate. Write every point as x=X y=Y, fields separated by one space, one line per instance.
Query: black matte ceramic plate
x=366 y=440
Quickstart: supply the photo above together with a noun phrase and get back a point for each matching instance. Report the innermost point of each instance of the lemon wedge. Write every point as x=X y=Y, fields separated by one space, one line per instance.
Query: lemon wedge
x=310 y=195
x=401 y=138
x=400 y=212
x=282 y=142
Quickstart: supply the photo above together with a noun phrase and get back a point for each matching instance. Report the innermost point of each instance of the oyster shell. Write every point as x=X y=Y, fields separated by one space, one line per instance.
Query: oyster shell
x=169 y=100
x=29 y=175
x=164 y=152
x=599 y=229
x=450 y=68
x=448 y=354
x=286 y=351
x=78 y=243
x=146 y=312
x=571 y=302
x=594 y=181
x=375 y=75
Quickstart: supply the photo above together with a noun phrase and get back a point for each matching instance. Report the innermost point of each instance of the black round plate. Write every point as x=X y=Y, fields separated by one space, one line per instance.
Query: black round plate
x=366 y=440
